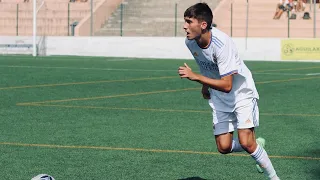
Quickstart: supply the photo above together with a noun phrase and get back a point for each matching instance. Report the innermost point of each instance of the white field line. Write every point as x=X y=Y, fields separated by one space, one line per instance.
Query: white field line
x=144 y=70
x=312 y=74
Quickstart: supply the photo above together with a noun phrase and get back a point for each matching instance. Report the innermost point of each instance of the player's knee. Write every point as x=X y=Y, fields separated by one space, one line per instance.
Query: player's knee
x=248 y=146
x=224 y=148
x=246 y=139
x=224 y=151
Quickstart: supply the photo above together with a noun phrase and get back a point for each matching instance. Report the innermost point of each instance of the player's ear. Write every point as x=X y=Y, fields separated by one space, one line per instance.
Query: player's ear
x=204 y=26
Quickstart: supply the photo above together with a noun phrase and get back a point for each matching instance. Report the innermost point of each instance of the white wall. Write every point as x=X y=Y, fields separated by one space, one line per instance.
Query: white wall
x=16 y=41
x=259 y=48
x=145 y=47
x=154 y=47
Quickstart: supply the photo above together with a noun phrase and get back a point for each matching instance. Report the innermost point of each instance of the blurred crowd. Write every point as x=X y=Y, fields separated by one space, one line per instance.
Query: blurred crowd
x=291 y=7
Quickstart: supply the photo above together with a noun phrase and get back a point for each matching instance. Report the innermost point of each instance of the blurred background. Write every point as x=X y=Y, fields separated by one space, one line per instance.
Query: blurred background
x=240 y=18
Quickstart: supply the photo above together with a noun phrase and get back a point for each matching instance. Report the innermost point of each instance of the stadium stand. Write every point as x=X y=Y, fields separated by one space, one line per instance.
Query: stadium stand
x=151 y=18
x=52 y=17
x=261 y=22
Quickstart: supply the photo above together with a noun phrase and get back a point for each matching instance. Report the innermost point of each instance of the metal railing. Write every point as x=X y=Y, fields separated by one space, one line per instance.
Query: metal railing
x=156 y=18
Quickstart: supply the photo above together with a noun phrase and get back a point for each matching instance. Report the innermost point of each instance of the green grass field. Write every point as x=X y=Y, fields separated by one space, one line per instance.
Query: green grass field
x=118 y=118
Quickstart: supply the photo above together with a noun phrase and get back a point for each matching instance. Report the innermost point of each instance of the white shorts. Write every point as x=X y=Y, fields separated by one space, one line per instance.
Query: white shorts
x=243 y=117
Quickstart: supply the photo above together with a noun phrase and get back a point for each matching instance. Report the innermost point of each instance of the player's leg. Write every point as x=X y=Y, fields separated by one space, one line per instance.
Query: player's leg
x=277 y=11
x=248 y=119
x=224 y=126
x=248 y=143
x=227 y=143
x=224 y=142
x=247 y=139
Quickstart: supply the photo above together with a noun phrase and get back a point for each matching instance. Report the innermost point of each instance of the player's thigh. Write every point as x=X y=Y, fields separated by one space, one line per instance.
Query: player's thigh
x=224 y=124
x=248 y=115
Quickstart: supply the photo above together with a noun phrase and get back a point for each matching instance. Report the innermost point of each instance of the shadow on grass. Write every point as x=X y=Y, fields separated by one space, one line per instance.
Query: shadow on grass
x=193 y=178
x=317 y=165
x=314 y=166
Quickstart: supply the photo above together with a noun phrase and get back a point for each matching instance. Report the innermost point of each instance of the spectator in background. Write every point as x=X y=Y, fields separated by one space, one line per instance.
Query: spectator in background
x=281 y=7
x=301 y=5
x=78 y=0
x=295 y=3
x=290 y=5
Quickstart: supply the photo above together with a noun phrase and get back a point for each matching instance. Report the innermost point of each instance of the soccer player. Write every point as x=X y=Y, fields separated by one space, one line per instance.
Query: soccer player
x=228 y=85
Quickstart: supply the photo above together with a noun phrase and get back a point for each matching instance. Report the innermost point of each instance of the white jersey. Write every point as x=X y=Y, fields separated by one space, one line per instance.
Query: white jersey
x=221 y=59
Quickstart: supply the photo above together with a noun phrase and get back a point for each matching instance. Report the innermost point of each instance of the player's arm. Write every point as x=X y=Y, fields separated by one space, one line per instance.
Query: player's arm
x=224 y=84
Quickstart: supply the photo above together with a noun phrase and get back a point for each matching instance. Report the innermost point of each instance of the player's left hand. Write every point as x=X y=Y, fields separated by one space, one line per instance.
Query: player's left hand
x=186 y=72
x=205 y=92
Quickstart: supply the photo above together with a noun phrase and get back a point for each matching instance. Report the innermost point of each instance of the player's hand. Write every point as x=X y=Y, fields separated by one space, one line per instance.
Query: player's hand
x=186 y=72
x=205 y=92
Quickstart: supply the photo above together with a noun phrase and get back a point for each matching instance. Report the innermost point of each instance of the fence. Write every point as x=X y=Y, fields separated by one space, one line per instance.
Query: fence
x=238 y=18
x=268 y=19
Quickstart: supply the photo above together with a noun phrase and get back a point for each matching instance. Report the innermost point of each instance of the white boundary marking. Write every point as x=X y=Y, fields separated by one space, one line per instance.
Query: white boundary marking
x=279 y=74
x=312 y=74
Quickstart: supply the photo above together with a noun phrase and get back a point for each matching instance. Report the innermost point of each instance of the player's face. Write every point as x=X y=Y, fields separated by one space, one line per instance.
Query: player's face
x=193 y=27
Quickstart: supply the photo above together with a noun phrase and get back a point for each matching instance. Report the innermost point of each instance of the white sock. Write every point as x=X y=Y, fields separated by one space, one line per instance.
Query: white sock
x=261 y=157
x=236 y=147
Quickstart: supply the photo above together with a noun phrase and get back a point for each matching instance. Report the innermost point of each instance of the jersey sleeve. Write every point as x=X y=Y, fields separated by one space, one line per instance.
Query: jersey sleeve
x=227 y=60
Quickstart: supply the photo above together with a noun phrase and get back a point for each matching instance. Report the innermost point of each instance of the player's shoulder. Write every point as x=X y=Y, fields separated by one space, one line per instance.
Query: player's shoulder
x=190 y=43
x=219 y=38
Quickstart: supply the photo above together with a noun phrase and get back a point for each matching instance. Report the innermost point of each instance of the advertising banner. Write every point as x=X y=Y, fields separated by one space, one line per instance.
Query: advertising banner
x=300 y=49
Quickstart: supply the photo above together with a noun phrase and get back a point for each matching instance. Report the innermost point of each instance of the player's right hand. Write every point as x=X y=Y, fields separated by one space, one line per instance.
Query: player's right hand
x=205 y=92
x=186 y=72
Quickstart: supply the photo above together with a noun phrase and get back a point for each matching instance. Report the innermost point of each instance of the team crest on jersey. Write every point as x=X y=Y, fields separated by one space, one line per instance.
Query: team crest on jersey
x=195 y=54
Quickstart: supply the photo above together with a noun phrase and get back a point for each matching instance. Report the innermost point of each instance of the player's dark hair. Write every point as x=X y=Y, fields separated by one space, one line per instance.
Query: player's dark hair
x=201 y=12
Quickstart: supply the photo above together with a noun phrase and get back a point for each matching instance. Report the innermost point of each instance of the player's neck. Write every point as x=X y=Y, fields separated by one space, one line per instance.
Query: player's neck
x=204 y=40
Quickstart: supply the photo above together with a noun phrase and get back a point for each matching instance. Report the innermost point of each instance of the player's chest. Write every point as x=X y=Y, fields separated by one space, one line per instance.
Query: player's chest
x=206 y=59
x=208 y=54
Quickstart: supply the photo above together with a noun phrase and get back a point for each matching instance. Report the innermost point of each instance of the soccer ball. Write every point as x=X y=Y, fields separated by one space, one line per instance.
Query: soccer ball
x=43 y=177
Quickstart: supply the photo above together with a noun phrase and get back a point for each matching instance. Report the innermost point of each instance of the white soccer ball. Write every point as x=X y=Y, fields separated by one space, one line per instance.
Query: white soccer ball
x=43 y=177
